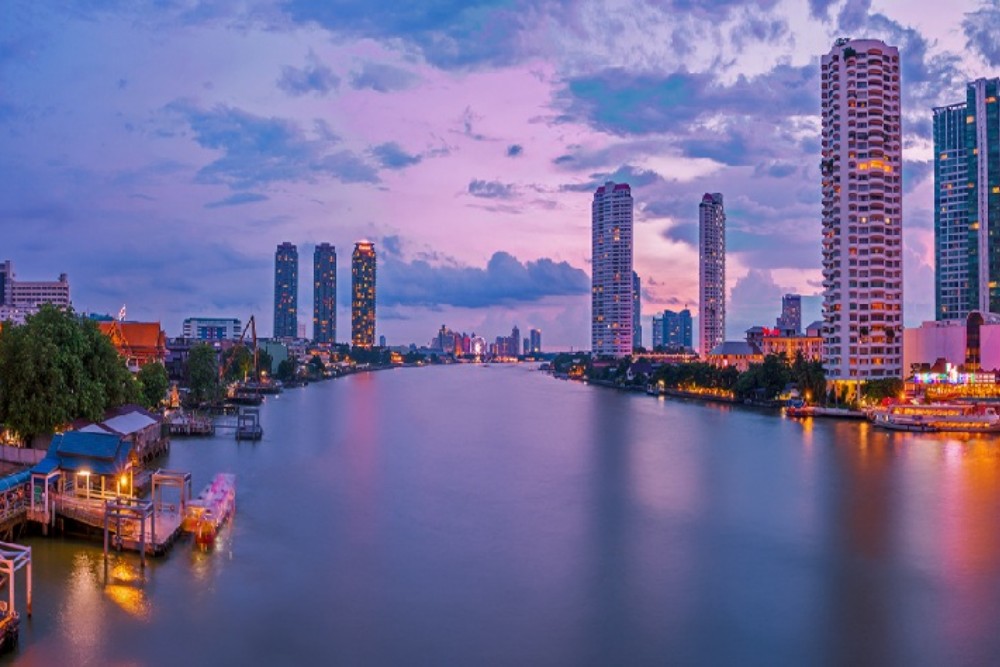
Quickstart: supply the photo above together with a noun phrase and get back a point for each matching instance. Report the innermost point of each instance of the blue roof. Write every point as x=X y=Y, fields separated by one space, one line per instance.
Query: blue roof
x=17 y=479
x=73 y=451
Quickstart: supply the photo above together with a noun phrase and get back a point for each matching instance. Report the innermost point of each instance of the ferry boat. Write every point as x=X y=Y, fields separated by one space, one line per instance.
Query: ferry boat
x=968 y=418
x=206 y=513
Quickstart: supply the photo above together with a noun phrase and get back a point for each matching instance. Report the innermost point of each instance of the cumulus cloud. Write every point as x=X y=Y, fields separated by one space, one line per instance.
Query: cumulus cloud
x=257 y=150
x=981 y=28
x=504 y=280
x=491 y=189
x=382 y=78
x=391 y=156
x=313 y=78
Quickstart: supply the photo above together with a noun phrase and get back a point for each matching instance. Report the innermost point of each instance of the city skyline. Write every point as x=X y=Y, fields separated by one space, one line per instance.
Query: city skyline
x=193 y=158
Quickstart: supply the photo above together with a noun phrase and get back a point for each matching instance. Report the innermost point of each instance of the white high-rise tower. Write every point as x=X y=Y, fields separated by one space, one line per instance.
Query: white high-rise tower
x=862 y=212
x=611 y=266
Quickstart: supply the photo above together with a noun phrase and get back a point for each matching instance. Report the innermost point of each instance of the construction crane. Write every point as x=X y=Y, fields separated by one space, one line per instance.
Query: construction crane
x=251 y=326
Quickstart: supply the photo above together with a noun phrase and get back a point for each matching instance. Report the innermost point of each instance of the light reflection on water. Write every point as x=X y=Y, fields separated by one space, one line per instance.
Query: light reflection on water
x=463 y=515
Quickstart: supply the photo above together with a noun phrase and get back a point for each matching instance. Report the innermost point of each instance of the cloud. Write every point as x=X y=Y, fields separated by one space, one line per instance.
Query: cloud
x=491 y=189
x=515 y=150
x=257 y=151
x=313 y=78
x=504 y=280
x=237 y=199
x=981 y=28
x=754 y=300
x=391 y=156
x=775 y=169
x=382 y=78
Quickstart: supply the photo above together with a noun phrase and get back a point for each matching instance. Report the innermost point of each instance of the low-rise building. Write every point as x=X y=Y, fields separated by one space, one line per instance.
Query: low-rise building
x=738 y=354
x=138 y=342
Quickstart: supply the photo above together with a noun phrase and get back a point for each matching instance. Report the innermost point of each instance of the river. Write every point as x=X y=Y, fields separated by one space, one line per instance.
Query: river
x=473 y=515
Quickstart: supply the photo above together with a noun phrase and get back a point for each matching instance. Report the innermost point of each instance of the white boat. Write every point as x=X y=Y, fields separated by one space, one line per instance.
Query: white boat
x=963 y=417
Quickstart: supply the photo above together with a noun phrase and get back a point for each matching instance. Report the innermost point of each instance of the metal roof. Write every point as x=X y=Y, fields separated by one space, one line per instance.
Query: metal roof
x=129 y=423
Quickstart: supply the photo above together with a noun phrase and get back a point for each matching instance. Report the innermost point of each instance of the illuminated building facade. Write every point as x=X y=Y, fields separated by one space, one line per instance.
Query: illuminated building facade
x=286 y=291
x=636 y=311
x=862 y=211
x=325 y=294
x=791 y=313
x=711 y=273
x=212 y=328
x=535 y=341
x=363 y=295
x=611 y=271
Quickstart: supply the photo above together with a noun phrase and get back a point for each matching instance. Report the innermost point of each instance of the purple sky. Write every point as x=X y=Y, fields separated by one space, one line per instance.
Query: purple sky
x=159 y=151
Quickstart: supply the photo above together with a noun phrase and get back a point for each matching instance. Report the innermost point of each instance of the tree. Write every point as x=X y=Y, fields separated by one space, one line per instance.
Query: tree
x=56 y=368
x=153 y=384
x=238 y=362
x=202 y=373
x=286 y=370
x=265 y=361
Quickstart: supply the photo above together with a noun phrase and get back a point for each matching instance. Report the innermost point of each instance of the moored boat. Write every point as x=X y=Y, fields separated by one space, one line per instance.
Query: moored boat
x=958 y=417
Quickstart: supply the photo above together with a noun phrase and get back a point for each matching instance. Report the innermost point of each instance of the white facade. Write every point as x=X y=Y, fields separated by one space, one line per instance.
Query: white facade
x=212 y=328
x=862 y=211
x=712 y=273
x=19 y=298
x=948 y=340
x=611 y=278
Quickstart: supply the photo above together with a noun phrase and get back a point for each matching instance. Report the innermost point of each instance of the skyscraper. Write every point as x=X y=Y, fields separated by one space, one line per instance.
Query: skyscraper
x=535 y=346
x=677 y=328
x=862 y=211
x=363 y=295
x=515 y=341
x=611 y=266
x=791 y=313
x=325 y=294
x=286 y=291
x=636 y=311
x=967 y=203
x=712 y=273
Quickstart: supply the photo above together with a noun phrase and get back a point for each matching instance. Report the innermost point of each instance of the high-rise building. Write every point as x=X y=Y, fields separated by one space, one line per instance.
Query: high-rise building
x=677 y=328
x=535 y=336
x=636 y=311
x=657 y=331
x=515 y=341
x=791 y=313
x=712 y=273
x=286 y=291
x=967 y=203
x=20 y=298
x=611 y=266
x=363 y=295
x=862 y=211
x=325 y=294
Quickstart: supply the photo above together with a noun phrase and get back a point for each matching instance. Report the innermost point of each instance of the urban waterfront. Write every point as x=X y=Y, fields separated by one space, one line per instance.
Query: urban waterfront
x=494 y=515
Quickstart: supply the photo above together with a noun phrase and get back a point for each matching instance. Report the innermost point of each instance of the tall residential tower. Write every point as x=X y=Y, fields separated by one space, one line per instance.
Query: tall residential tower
x=712 y=272
x=636 y=311
x=611 y=266
x=325 y=294
x=967 y=203
x=862 y=211
x=363 y=295
x=286 y=291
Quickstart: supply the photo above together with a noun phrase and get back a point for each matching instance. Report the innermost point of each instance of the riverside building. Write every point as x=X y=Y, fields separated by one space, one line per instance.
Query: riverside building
x=862 y=211
x=611 y=295
x=212 y=328
x=325 y=294
x=20 y=298
x=967 y=203
x=636 y=311
x=363 y=295
x=712 y=272
x=286 y=291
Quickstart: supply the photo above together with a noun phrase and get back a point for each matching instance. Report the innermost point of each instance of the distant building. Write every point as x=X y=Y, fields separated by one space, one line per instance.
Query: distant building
x=286 y=291
x=381 y=341
x=677 y=329
x=737 y=354
x=636 y=311
x=535 y=338
x=971 y=344
x=363 y=295
x=712 y=272
x=325 y=294
x=611 y=271
x=19 y=298
x=212 y=328
x=862 y=231
x=966 y=210
x=657 y=331
x=790 y=319
x=515 y=342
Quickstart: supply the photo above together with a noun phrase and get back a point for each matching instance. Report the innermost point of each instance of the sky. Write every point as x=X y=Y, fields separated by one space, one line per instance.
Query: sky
x=158 y=152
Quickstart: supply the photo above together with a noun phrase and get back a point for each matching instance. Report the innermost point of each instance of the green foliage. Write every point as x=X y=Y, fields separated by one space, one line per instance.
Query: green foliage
x=202 y=373
x=696 y=374
x=286 y=370
x=876 y=390
x=56 y=368
x=764 y=381
x=810 y=378
x=153 y=384
x=238 y=363
x=265 y=362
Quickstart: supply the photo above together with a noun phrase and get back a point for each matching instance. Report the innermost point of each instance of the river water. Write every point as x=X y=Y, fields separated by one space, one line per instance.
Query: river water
x=471 y=515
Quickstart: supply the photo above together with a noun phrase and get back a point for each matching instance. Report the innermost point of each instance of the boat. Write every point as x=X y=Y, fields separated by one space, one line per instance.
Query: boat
x=213 y=507
x=800 y=411
x=933 y=417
